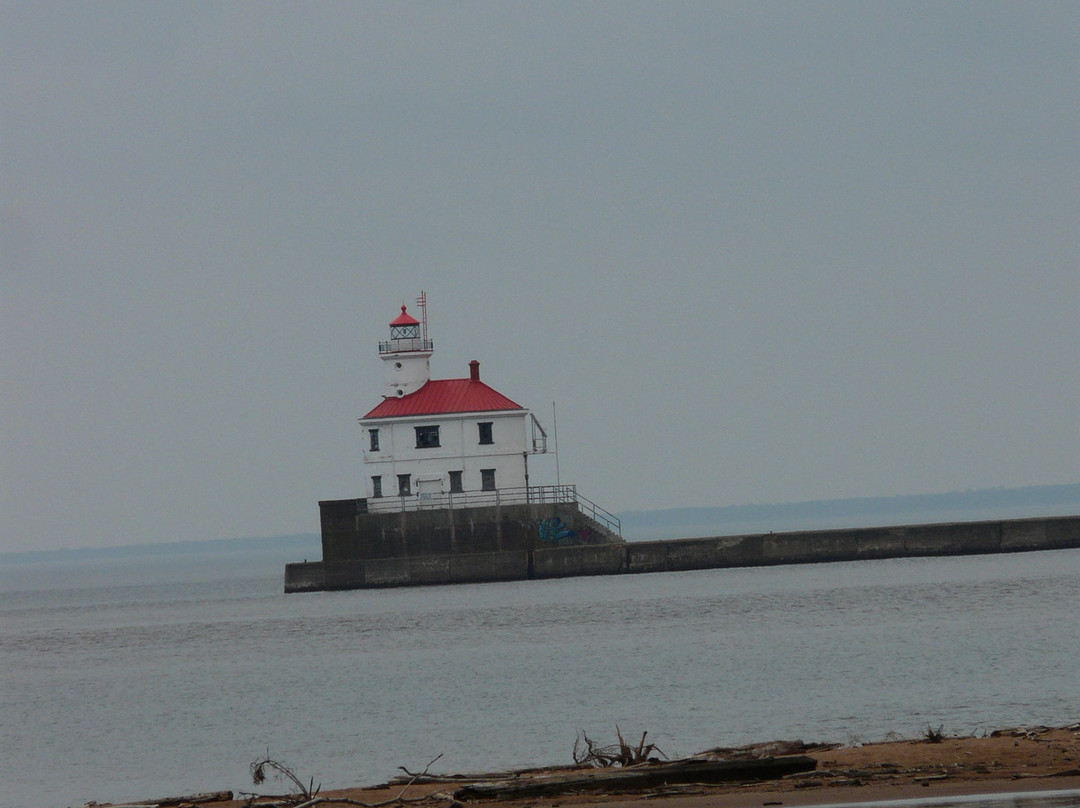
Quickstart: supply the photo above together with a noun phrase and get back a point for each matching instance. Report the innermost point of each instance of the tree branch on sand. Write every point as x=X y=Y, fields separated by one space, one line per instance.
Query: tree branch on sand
x=934 y=735
x=306 y=797
x=279 y=771
x=588 y=753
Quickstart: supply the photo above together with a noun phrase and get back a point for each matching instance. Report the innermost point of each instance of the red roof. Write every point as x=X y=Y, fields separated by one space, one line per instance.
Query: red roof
x=404 y=318
x=442 y=396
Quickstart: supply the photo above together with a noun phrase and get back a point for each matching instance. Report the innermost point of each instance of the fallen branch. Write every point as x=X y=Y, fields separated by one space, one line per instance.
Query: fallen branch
x=278 y=771
x=400 y=799
x=767 y=749
x=381 y=804
x=468 y=777
x=187 y=799
x=642 y=777
x=588 y=753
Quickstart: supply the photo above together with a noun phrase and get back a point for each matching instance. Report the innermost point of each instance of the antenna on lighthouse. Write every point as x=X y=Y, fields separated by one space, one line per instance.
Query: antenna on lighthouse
x=421 y=303
x=555 y=429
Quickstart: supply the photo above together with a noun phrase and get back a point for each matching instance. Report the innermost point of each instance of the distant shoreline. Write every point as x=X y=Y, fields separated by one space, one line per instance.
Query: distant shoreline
x=838 y=514
x=290 y=543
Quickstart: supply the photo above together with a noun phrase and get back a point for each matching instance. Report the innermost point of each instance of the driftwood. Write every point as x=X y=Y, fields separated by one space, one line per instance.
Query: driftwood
x=308 y=796
x=187 y=799
x=641 y=777
x=473 y=777
x=766 y=749
x=324 y=800
x=267 y=766
x=477 y=777
x=399 y=800
x=310 y=799
x=588 y=753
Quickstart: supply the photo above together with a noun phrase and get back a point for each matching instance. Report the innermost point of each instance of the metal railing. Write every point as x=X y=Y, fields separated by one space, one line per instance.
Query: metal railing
x=533 y=495
x=403 y=345
x=607 y=520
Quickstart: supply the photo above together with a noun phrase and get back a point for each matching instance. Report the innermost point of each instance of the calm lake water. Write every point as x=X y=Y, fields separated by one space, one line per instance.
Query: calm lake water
x=133 y=680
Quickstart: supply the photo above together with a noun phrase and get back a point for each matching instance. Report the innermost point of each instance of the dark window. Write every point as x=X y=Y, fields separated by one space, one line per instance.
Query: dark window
x=455 y=482
x=487 y=479
x=427 y=437
x=403 y=485
x=373 y=440
x=376 y=487
x=485 y=432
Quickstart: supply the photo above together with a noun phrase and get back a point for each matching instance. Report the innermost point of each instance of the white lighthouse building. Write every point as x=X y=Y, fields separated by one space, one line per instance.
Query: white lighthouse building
x=447 y=494
x=438 y=443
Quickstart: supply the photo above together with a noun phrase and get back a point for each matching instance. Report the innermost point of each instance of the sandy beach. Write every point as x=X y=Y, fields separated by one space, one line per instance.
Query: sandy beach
x=1005 y=761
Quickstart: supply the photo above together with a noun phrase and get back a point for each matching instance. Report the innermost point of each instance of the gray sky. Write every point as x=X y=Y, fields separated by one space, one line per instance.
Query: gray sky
x=756 y=252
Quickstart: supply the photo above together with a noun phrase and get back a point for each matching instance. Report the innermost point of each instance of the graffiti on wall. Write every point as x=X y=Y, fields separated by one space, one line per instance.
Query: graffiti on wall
x=556 y=531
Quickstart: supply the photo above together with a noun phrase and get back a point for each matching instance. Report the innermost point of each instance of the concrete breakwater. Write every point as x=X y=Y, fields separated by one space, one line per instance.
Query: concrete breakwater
x=341 y=570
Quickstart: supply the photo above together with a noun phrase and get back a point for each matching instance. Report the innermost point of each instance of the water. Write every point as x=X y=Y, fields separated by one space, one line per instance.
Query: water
x=127 y=681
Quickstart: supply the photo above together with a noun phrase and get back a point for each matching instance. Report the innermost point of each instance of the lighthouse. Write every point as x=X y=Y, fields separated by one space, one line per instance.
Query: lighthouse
x=447 y=492
x=407 y=354
x=442 y=442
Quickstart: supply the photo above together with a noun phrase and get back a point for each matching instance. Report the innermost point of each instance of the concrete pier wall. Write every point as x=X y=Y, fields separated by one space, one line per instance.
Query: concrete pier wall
x=350 y=533
x=511 y=551
x=308 y=576
x=568 y=562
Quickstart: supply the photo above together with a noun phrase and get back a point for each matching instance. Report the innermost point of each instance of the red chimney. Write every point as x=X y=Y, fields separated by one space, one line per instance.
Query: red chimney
x=474 y=371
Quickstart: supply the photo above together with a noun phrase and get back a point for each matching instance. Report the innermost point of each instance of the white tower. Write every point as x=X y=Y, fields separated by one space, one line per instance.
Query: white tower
x=407 y=354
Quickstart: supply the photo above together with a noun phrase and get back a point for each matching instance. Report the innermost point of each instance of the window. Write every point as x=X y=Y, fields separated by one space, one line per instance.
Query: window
x=487 y=479
x=404 y=488
x=455 y=482
x=376 y=487
x=485 y=432
x=373 y=440
x=427 y=437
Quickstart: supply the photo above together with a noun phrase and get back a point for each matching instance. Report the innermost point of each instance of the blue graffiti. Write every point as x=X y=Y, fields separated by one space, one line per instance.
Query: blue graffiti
x=554 y=531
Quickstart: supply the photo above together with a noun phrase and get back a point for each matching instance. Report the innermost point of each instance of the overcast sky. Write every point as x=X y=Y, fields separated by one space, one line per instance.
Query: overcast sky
x=755 y=252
